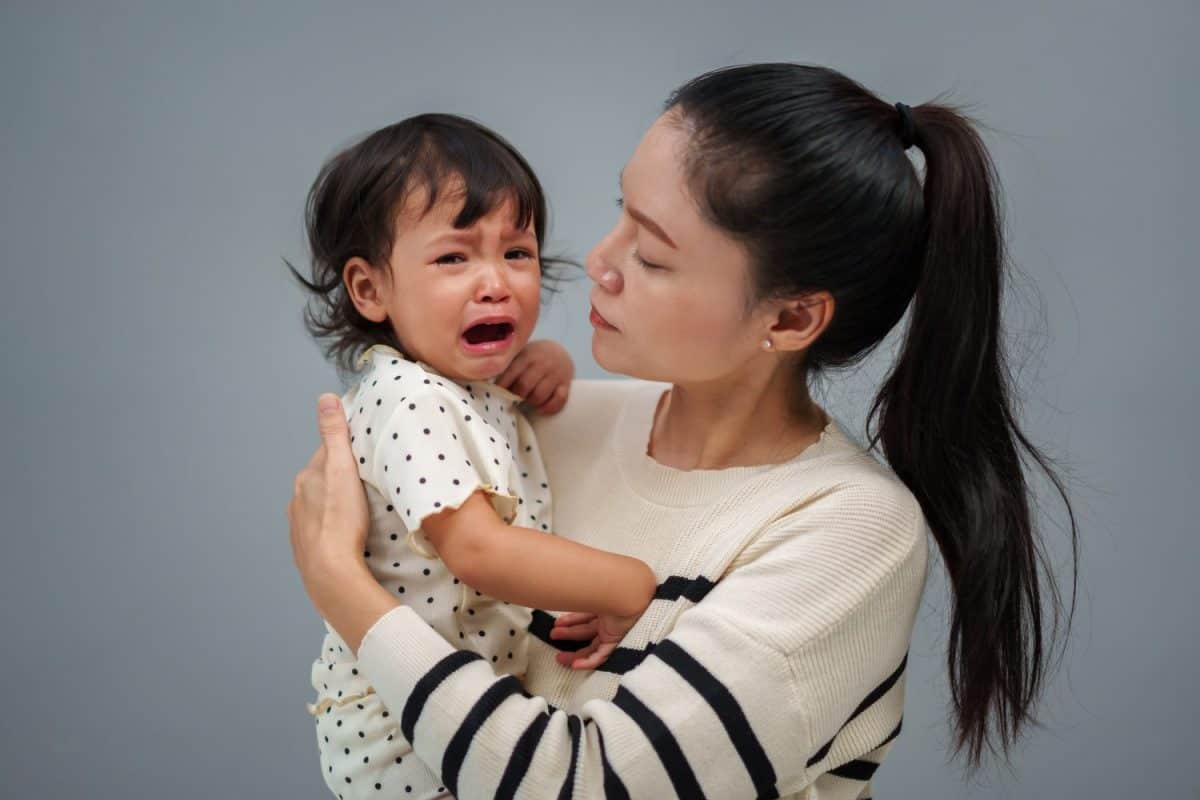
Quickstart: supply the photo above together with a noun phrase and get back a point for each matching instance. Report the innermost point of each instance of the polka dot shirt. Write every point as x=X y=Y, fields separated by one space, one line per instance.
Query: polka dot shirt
x=424 y=443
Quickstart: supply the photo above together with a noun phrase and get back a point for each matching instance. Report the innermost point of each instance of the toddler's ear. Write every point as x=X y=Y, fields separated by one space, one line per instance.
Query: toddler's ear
x=365 y=286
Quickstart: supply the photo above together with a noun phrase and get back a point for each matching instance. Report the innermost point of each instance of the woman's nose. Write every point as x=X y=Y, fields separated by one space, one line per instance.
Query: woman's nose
x=601 y=271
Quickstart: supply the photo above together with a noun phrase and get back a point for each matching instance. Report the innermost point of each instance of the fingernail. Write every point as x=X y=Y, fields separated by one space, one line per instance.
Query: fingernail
x=327 y=403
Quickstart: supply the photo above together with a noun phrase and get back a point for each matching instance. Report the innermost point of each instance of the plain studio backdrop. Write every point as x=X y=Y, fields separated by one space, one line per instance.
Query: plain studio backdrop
x=159 y=390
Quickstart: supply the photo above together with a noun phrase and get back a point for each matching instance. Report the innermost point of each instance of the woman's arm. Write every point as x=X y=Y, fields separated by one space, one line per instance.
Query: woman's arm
x=789 y=667
x=534 y=568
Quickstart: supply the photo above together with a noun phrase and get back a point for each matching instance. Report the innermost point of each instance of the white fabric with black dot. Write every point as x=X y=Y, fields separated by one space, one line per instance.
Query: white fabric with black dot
x=424 y=443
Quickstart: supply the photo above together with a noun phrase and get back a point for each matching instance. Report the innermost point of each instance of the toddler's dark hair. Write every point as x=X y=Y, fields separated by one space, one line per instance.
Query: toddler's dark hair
x=352 y=207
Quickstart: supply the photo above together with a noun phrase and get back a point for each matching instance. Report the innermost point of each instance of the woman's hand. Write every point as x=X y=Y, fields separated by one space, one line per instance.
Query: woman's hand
x=540 y=375
x=327 y=515
x=605 y=631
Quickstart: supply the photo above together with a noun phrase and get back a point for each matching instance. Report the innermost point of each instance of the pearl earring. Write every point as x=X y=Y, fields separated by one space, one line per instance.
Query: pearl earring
x=767 y=345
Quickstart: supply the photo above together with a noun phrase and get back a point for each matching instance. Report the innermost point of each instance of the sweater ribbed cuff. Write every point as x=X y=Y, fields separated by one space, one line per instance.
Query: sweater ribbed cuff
x=400 y=648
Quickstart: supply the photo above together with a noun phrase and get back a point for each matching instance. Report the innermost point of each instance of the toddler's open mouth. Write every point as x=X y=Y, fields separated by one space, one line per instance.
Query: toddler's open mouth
x=488 y=337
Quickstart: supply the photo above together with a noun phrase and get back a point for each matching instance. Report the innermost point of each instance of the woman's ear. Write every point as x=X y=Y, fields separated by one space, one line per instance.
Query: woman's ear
x=364 y=285
x=801 y=320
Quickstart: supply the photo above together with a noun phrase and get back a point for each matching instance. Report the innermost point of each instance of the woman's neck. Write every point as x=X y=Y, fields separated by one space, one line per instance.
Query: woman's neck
x=743 y=421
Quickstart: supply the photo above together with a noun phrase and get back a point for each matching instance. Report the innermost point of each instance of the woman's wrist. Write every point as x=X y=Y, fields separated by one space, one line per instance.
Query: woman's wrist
x=349 y=598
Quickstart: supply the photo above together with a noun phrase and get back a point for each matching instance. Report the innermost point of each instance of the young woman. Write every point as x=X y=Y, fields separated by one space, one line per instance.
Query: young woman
x=772 y=227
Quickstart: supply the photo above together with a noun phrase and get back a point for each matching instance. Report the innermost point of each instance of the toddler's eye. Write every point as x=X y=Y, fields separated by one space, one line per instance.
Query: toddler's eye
x=518 y=252
x=451 y=258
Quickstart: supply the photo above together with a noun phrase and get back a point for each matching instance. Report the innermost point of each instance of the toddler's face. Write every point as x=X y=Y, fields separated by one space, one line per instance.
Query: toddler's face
x=463 y=300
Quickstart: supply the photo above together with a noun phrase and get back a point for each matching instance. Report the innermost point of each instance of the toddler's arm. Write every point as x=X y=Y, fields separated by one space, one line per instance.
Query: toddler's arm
x=534 y=568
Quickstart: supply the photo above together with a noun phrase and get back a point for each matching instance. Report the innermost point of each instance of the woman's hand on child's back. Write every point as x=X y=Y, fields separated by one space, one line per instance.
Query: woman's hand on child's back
x=605 y=631
x=540 y=375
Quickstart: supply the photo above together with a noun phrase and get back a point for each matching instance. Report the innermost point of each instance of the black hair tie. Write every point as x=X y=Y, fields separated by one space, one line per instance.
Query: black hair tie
x=908 y=128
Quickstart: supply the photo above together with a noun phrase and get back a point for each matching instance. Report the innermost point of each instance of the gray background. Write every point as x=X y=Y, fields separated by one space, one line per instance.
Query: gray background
x=159 y=389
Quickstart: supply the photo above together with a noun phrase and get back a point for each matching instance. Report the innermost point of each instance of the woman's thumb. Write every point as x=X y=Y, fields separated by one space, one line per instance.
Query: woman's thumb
x=330 y=420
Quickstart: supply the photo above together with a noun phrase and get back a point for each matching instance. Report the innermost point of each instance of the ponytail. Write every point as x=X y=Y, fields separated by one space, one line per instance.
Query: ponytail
x=948 y=431
x=807 y=169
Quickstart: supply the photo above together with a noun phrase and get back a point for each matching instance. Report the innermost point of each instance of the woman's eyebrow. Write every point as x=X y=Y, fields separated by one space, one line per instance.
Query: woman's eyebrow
x=641 y=218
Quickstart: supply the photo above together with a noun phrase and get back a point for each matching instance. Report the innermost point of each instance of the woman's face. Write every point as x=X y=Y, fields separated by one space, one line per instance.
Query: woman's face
x=670 y=295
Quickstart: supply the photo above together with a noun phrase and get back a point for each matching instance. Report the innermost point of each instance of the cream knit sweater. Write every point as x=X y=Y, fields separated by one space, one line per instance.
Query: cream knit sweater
x=770 y=663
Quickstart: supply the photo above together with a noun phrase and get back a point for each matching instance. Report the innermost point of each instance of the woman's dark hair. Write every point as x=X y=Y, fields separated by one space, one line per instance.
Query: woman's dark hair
x=353 y=204
x=807 y=169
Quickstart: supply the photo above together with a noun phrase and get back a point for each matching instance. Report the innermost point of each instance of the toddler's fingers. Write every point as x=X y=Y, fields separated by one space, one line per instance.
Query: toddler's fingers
x=584 y=630
x=567 y=658
x=541 y=392
x=515 y=368
x=591 y=657
x=581 y=655
x=574 y=617
x=527 y=380
x=555 y=404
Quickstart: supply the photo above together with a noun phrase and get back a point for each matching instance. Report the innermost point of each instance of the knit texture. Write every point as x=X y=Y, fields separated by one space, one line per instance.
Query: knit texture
x=770 y=663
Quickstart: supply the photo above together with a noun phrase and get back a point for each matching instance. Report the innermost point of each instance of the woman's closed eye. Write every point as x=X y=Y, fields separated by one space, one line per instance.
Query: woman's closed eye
x=638 y=258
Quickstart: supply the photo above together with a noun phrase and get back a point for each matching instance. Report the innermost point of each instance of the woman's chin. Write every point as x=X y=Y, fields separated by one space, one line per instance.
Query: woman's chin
x=610 y=358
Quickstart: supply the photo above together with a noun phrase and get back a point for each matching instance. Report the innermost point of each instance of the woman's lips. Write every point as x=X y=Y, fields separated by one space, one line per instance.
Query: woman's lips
x=599 y=321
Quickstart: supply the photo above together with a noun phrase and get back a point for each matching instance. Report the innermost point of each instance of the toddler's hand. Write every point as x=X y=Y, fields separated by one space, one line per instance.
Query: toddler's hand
x=540 y=375
x=606 y=632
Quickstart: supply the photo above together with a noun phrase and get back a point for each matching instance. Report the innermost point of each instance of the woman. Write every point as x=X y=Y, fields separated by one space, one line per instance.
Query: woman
x=772 y=227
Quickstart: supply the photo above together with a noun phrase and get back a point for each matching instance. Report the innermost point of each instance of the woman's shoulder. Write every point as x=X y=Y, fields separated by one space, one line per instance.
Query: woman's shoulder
x=592 y=404
x=846 y=488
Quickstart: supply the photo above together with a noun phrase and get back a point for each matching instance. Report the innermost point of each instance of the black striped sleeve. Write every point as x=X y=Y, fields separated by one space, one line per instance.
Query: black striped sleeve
x=717 y=709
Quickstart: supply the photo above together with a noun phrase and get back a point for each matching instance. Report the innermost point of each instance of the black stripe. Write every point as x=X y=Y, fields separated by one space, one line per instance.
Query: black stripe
x=456 y=751
x=673 y=760
x=614 y=789
x=673 y=588
x=895 y=732
x=568 y=785
x=881 y=689
x=429 y=681
x=676 y=586
x=624 y=659
x=855 y=770
x=876 y=693
x=540 y=626
x=522 y=756
x=728 y=710
x=820 y=754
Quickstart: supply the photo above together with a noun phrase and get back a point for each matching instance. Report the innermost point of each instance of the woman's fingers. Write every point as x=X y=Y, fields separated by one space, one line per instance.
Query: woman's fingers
x=574 y=617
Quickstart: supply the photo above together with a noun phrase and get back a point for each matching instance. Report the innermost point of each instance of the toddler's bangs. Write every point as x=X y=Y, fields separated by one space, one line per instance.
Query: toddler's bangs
x=482 y=173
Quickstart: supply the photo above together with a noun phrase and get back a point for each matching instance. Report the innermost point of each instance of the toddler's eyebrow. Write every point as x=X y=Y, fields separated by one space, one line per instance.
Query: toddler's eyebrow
x=457 y=235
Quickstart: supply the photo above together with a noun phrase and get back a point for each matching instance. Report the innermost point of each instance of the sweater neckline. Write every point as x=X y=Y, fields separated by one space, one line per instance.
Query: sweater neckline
x=669 y=486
